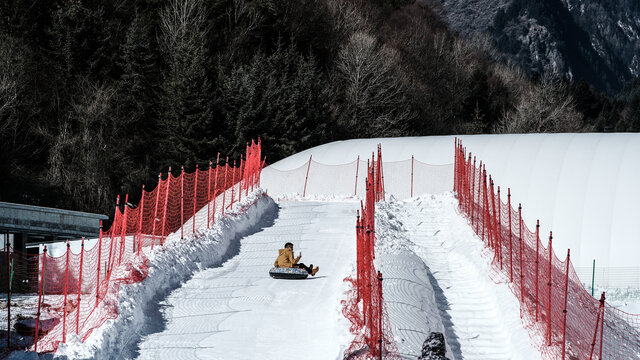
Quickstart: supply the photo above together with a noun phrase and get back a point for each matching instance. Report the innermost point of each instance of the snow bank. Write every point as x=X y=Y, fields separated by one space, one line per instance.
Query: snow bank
x=169 y=268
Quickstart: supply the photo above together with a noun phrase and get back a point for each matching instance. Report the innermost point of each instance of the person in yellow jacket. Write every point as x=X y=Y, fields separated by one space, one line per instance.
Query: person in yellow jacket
x=286 y=259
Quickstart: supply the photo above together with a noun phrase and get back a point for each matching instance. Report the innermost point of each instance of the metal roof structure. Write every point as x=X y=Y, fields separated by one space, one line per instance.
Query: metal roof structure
x=49 y=222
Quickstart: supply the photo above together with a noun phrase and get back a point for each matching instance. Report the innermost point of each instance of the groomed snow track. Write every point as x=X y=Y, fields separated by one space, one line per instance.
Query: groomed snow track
x=481 y=318
x=236 y=311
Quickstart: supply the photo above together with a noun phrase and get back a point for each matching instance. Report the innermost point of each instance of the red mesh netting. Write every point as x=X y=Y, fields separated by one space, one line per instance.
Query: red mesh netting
x=76 y=293
x=364 y=306
x=563 y=317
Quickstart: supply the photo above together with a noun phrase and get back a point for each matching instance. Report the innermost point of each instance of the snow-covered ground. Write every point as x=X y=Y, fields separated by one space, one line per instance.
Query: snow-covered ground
x=169 y=268
x=211 y=297
x=236 y=311
x=232 y=309
x=437 y=280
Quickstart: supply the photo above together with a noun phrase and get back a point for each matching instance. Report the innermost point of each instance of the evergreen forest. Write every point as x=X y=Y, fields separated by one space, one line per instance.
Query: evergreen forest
x=99 y=96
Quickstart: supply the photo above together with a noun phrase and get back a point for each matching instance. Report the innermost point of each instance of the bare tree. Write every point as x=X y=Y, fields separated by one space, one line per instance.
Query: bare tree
x=373 y=87
x=546 y=107
x=178 y=21
x=512 y=77
x=242 y=21
x=83 y=145
x=9 y=88
x=8 y=93
x=347 y=17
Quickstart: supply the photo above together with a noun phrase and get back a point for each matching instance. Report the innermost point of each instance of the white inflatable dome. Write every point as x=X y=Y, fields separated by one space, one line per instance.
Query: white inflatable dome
x=583 y=187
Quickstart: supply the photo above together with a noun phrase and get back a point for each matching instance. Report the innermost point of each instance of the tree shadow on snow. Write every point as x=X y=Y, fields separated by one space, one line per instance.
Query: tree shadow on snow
x=443 y=306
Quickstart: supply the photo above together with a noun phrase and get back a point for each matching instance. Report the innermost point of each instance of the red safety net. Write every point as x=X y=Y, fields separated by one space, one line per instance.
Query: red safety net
x=77 y=293
x=566 y=321
x=364 y=306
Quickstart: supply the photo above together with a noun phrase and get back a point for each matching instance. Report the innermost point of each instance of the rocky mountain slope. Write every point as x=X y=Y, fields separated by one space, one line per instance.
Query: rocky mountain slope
x=594 y=40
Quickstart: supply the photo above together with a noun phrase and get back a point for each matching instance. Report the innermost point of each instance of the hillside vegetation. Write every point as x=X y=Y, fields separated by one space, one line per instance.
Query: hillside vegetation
x=98 y=97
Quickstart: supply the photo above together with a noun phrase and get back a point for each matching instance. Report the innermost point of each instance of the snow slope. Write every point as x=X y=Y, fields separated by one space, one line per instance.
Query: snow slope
x=138 y=305
x=212 y=298
x=227 y=307
x=482 y=319
x=236 y=311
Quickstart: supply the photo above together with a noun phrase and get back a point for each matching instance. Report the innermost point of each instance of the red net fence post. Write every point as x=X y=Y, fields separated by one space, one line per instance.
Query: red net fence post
x=358 y=250
x=412 y=175
x=224 y=192
x=241 y=184
x=499 y=229
x=215 y=187
x=9 y=281
x=484 y=204
x=521 y=251
x=471 y=209
x=455 y=167
x=79 y=289
x=554 y=305
x=369 y=321
x=40 y=295
x=479 y=213
x=182 y=203
x=141 y=211
x=550 y=285
x=166 y=204
x=494 y=220
x=537 y=300
x=233 y=183
x=510 y=236
x=380 y=332
x=564 y=311
x=209 y=197
x=66 y=288
x=355 y=189
x=467 y=193
x=155 y=212
x=306 y=178
x=195 y=202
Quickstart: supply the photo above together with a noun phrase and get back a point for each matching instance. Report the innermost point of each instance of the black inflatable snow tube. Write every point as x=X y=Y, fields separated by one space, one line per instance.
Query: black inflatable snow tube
x=288 y=273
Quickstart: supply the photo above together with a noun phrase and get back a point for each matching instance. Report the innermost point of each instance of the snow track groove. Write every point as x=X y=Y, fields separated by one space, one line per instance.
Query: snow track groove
x=236 y=311
x=478 y=325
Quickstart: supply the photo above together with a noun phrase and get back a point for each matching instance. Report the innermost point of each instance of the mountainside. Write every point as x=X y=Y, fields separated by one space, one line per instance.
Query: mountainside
x=614 y=28
x=594 y=40
x=109 y=93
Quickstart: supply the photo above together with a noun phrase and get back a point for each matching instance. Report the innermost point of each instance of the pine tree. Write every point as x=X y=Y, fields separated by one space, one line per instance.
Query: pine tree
x=138 y=92
x=187 y=119
x=281 y=98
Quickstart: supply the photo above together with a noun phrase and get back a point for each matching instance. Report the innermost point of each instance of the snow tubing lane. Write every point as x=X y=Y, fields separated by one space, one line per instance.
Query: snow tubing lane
x=288 y=273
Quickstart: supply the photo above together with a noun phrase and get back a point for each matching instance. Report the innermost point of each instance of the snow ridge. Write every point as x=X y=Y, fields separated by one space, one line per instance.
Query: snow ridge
x=481 y=318
x=409 y=296
x=169 y=268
